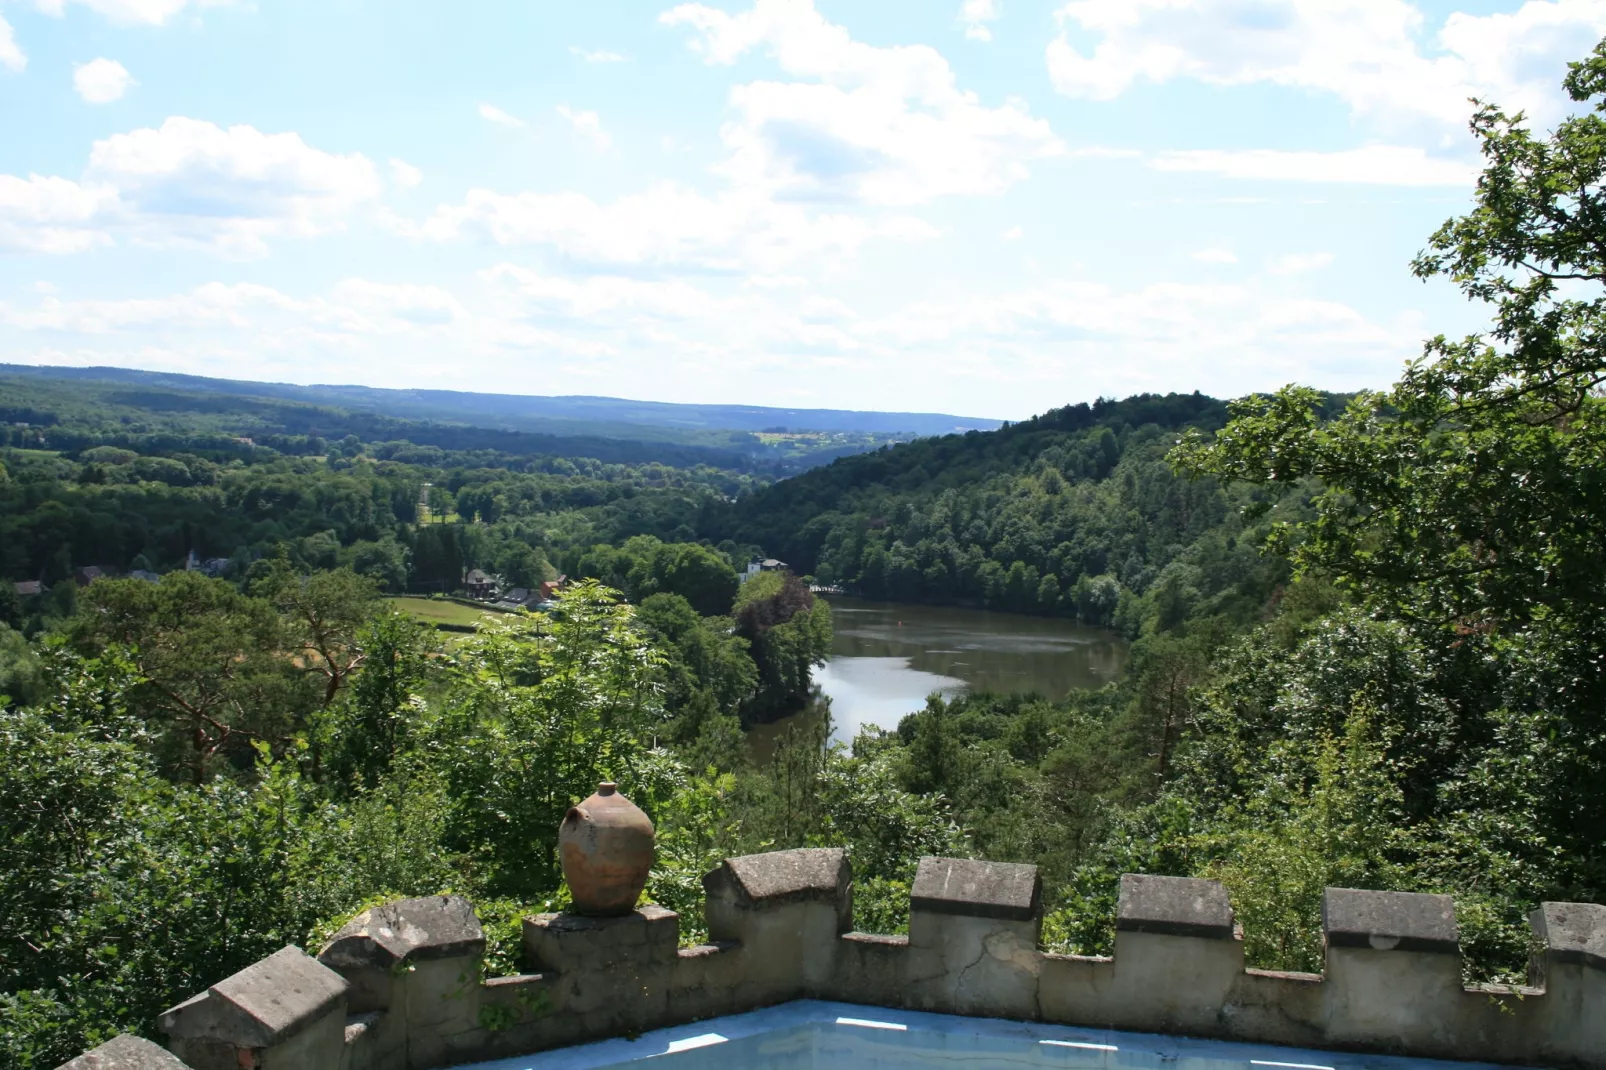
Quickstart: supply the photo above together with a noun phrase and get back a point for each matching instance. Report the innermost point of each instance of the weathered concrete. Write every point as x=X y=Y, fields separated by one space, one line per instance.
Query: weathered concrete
x=973 y=934
x=781 y=925
x=125 y=1053
x=1393 y=970
x=413 y=967
x=977 y=889
x=287 y=1011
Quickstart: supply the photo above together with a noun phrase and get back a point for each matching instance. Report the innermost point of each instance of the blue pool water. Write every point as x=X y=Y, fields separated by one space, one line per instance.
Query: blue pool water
x=814 y=1035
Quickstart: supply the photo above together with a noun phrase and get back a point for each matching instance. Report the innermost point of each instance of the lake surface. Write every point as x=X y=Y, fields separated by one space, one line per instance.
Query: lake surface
x=887 y=657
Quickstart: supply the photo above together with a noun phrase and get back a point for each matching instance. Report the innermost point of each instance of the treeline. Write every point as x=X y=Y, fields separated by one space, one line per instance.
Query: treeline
x=121 y=510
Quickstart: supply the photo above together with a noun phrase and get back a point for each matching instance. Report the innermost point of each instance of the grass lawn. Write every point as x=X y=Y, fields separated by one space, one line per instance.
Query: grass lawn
x=438 y=612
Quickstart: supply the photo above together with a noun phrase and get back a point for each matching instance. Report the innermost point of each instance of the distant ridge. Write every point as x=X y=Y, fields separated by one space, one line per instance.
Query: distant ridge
x=618 y=417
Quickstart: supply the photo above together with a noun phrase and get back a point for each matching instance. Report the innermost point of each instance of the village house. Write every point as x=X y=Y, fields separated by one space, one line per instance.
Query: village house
x=768 y=564
x=479 y=584
x=30 y=589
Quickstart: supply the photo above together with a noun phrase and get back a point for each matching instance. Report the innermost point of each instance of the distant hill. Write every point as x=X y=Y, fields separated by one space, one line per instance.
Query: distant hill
x=567 y=415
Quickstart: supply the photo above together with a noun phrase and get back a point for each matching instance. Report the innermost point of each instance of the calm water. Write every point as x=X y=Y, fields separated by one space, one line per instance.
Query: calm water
x=888 y=657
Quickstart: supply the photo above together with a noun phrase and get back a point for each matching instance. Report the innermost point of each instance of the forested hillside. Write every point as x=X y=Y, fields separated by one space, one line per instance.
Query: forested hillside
x=1077 y=511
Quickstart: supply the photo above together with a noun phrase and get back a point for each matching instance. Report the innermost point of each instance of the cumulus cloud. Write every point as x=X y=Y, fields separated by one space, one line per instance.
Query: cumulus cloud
x=1369 y=53
x=596 y=56
x=1394 y=165
x=974 y=15
x=491 y=113
x=12 y=58
x=47 y=214
x=873 y=125
x=587 y=124
x=188 y=183
x=101 y=81
x=1216 y=256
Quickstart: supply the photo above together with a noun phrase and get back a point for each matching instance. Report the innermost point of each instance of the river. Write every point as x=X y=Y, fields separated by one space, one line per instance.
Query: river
x=887 y=657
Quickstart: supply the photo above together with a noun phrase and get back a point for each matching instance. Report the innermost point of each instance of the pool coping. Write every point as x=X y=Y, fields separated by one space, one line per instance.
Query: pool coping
x=810 y=1012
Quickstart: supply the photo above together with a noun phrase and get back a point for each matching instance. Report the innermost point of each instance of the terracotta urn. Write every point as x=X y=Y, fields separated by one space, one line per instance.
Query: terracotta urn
x=606 y=846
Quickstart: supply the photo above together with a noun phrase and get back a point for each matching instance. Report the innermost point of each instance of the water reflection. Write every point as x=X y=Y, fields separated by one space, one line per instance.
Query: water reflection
x=888 y=657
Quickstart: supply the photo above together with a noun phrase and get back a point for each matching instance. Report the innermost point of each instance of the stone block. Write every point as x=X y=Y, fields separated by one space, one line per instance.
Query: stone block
x=371 y=949
x=977 y=889
x=1174 y=906
x=973 y=933
x=1390 y=921
x=286 y=1010
x=1572 y=933
x=126 y=1053
x=803 y=875
x=1571 y=967
x=1393 y=977
x=786 y=909
x=567 y=943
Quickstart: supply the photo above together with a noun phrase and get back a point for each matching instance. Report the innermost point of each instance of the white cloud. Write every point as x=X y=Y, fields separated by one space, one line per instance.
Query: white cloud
x=52 y=215
x=404 y=174
x=149 y=12
x=588 y=125
x=491 y=113
x=1375 y=164
x=1012 y=234
x=101 y=81
x=1298 y=263
x=875 y=125
x=190 y=182
x=974 y=15
x=12 y=58
x=1216 y=256
x=1366 y=52
x=596 y=56
x=664 y=225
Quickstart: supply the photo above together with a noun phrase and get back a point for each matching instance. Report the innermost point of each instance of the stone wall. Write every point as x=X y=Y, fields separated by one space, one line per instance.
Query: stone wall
x=400 y=987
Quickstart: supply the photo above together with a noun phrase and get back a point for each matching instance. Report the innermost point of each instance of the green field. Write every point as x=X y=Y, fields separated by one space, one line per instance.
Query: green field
x=440 y=611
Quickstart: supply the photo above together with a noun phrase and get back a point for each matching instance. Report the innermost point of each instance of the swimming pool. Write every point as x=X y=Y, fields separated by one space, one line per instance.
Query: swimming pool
x=816 y=1035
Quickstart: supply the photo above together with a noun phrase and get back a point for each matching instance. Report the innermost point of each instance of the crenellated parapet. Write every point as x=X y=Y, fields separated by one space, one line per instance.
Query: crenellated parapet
x=400 y=986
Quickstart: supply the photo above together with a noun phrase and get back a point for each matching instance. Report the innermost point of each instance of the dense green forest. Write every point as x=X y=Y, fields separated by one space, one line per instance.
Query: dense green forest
x=1367 y=653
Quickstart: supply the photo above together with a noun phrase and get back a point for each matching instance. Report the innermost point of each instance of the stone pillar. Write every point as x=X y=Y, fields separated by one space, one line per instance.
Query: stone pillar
x=126 y=1053
x=1178 y=954
x=613 y=974
x=973 y=933
x=287 y=1012
x=1571 y=968
x=1393 y=978
x=786 y=910
x=414 y=965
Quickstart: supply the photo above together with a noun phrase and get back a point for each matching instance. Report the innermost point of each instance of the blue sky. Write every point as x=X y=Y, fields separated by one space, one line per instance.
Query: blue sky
x=988 y=207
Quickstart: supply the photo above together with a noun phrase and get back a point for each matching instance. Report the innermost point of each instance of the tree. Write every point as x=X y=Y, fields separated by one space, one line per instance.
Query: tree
x=1470 y=495
x=213 y=676
x=322 y=613
x=789 y=631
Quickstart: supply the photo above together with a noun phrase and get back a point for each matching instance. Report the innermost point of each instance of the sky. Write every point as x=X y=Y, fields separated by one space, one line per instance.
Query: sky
x=983 y=207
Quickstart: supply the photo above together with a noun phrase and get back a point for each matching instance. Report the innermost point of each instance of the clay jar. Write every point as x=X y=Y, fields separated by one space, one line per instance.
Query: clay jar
x=605 y=844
